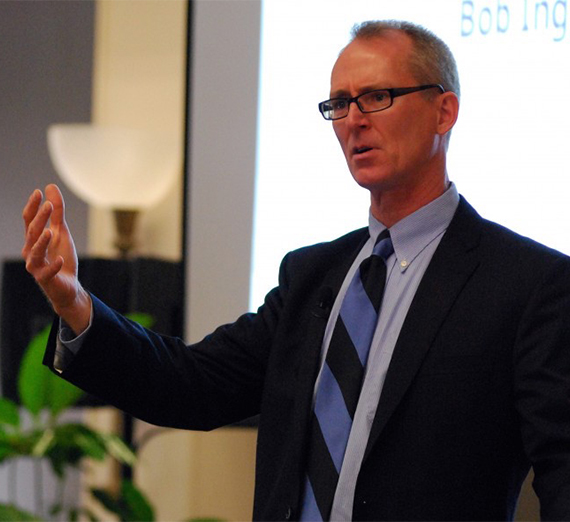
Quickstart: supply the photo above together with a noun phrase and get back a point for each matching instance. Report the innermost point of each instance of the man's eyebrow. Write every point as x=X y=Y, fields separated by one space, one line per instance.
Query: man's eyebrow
x=341 y=93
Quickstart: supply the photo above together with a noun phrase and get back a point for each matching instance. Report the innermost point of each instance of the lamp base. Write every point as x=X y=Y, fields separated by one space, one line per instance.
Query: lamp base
x=125 y=224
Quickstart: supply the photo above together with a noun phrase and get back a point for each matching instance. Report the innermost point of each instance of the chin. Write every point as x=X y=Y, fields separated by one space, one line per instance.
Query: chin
x=373 y=180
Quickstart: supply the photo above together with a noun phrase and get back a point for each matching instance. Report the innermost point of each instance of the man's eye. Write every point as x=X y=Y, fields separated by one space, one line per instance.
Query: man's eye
x=338 y=104
x=379 y=96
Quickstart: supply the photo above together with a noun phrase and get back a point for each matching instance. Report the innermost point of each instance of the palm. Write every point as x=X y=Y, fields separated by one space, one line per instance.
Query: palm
x=63 y=287
x=51 y=258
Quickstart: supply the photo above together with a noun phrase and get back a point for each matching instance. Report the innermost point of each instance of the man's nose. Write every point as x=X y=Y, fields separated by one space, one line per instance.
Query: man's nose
x=355 y=115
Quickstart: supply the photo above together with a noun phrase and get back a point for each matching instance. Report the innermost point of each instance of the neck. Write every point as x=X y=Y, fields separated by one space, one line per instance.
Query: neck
x=391 y=206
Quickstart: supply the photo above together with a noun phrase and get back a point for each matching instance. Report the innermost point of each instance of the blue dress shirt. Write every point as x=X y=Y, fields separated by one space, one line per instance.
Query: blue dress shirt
x=415 y=239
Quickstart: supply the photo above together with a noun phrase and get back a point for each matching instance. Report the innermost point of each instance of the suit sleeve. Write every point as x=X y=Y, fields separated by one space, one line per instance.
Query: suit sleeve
x=542 y=389
x=161 y=380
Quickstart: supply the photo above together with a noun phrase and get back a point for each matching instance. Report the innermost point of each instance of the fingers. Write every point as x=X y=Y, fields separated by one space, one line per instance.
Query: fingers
x=48 y=272
x=31 y=208
x=36 y=226
x=36 y=215
x=37 y=257
x=53 y=194
x=37 y=262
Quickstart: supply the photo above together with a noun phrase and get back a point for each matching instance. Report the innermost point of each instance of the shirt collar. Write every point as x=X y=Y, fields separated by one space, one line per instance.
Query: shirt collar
x=413 y=233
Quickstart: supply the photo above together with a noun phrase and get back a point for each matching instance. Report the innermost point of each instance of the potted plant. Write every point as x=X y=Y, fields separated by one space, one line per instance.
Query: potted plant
x=35 y=429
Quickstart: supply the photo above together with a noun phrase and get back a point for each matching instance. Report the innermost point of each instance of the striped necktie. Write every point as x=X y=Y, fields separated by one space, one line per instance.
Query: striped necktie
x=341 y=380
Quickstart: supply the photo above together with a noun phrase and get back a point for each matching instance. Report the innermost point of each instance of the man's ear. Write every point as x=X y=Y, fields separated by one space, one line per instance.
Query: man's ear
x=448 y=112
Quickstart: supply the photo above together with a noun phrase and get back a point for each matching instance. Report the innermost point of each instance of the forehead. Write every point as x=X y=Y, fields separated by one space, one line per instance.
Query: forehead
x=373 y=63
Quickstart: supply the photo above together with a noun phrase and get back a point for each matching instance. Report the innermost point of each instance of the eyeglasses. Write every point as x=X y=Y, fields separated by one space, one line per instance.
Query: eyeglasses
x=372 y=101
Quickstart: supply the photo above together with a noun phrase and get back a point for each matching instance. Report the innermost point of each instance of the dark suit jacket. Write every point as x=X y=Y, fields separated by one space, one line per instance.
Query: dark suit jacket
x=478 y=388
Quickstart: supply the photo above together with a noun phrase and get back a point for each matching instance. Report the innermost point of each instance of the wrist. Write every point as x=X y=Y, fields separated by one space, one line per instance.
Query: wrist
x=77 y=315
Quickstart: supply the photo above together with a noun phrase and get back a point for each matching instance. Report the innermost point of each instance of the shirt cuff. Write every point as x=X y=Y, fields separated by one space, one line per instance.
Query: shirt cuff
x=68 y=344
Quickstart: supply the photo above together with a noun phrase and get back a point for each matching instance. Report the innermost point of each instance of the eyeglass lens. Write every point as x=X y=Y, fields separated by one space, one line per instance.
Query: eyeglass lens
x=367 y=102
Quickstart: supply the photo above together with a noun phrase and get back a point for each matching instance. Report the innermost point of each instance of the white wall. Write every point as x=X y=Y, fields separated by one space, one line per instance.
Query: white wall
x=223 y=153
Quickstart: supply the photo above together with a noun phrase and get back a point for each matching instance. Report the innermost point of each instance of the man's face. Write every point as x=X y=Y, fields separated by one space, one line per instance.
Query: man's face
x=397 y=148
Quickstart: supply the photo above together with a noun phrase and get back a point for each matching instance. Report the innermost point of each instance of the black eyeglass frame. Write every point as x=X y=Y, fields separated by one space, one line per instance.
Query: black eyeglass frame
x=394 y=93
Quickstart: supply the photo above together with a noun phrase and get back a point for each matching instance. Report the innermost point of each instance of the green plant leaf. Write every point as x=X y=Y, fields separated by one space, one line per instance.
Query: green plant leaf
x=44 y=442
x=130 y=505
x=62 y=393
x=38 y=387
x=117 y=448
x=139 y=507
x=17 y=444
x=31 y=387
x=68 y=444
x=91 y=445
x=6 y=451
x=145 y=320
x=108 y=501
x=76 y=512
x=10 y=513
x=9 y=413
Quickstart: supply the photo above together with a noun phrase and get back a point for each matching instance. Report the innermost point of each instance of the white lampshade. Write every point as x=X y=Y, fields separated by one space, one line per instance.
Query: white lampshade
x=114 y=167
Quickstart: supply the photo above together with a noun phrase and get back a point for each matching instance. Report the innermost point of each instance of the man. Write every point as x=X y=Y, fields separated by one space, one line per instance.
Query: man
x=467 y=379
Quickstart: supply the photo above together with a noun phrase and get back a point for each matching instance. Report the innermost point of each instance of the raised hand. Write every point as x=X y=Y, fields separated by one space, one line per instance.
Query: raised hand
x=49 y=252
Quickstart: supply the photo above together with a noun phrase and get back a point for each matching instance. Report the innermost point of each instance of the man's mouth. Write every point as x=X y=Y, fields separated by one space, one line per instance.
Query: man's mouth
x=361 y=150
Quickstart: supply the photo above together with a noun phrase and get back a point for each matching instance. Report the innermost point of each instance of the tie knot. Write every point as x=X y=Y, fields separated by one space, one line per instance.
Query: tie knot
x=383 y=246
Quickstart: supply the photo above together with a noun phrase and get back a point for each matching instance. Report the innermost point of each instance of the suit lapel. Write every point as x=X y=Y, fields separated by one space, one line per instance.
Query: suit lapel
x=450 y=268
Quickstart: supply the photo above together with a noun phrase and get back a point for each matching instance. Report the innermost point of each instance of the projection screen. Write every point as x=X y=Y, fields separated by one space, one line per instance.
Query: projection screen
x=508 y=154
